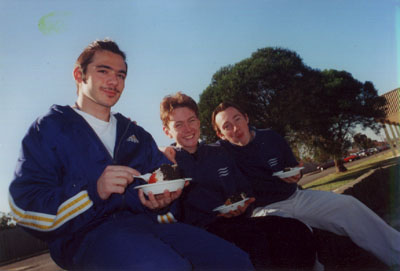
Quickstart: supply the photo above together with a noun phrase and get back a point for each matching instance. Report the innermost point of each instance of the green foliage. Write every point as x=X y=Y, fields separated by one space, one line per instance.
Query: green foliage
x=266 y=86
x=340 y=104
x=317 y=111
x=363 y=142
x=6 y=221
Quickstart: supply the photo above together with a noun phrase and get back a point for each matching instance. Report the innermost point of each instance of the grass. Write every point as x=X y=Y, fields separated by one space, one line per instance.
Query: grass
x=336 y=180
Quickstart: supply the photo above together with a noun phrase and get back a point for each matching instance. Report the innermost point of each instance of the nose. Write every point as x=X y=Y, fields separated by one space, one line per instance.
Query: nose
x=112 y=79
x=186 y=127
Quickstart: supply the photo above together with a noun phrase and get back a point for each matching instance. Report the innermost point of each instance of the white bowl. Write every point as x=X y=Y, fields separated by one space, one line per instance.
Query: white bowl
x=223 y=209
x=286 y=174
x=160 y=187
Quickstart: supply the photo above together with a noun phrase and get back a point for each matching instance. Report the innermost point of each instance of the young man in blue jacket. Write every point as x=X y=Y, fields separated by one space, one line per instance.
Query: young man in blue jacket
x=272 y=242
x=74 y=186
x=260 y=153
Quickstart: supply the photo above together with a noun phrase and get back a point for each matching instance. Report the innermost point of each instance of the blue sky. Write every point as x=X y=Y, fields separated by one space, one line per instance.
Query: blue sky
x=176 y=45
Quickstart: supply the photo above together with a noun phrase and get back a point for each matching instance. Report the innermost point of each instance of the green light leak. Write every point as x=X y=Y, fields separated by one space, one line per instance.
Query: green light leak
x=52 y=22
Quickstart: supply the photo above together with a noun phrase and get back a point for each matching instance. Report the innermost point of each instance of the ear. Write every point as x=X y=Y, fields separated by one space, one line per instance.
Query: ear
x=166 y=131
x=220 y=135
x=78 y=76
x=247 y=118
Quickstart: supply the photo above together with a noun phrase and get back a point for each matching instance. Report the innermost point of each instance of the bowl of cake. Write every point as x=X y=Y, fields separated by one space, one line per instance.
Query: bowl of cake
x=232 y=203
x=288 y=172
x=167 y=177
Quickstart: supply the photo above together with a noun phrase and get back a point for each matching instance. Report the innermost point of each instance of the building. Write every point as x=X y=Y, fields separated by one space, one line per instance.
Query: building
x=391 y=125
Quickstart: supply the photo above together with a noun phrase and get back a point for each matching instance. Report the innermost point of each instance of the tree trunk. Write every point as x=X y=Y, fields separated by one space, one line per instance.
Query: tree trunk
x=340 y=165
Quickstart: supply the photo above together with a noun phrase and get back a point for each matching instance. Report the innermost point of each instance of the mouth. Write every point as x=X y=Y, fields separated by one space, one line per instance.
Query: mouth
x=110 y=92
x=189 y=137
x=239 y=135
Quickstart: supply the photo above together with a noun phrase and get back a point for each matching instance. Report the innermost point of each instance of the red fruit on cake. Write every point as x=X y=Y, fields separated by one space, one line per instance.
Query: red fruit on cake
x=165 y=173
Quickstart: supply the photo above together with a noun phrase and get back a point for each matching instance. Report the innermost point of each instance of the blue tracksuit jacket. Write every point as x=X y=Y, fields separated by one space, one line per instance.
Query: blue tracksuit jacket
x=215 y=178
x=267 y=153
x=54 y=191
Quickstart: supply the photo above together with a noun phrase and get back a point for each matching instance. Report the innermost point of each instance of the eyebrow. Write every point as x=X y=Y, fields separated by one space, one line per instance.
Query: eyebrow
x=109 y=68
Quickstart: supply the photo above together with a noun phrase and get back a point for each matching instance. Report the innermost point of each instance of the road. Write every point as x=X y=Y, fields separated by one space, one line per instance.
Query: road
x=312 y=176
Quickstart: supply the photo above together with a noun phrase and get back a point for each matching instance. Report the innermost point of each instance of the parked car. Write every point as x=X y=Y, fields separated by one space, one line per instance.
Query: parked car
x=373 y=150
x=326 y=165
x=350 y=157
x=362 y=154
x=383 y=147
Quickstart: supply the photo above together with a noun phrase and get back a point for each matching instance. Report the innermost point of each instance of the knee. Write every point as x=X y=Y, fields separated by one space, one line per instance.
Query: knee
x=349 y=203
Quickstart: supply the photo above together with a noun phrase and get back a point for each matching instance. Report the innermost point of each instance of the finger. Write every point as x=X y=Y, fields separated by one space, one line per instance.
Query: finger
x=153 y=201
x=121 y=168
x=118 y=174
x=116 y=189
x=167 y=198
x=240 y=210
x=141 y=197
x=226 y=215
x=176 y=194
x=120 y=182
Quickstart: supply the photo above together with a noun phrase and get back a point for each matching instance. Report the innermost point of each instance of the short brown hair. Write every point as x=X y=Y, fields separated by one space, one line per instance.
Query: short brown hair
x=86 y=57
x=222 y=107
x=171 y=102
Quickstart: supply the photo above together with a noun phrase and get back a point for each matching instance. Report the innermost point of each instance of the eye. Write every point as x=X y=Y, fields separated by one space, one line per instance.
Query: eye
x=122 y=76
x=227 y=127
x=102 y=71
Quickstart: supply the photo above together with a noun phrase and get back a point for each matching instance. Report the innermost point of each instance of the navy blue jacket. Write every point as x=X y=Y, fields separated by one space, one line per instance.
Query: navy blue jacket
x=215 y=178
x=267 y=153
x=54 y=191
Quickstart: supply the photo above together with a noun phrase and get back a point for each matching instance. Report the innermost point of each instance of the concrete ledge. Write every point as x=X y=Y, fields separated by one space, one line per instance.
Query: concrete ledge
x=379 y=189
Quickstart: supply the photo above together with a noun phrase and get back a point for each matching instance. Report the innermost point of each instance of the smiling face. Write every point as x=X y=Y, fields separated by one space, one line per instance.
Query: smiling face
x=233 y=126
x=102 y=85
x=184 y=128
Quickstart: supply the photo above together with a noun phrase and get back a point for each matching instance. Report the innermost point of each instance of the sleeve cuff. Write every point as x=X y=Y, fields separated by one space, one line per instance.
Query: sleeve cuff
x=168 y=218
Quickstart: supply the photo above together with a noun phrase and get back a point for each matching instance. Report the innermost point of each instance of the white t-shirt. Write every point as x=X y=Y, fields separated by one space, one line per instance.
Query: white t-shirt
x=106 y=131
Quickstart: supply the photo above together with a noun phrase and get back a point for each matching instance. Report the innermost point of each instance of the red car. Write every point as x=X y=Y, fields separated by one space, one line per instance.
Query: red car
x=350 y=158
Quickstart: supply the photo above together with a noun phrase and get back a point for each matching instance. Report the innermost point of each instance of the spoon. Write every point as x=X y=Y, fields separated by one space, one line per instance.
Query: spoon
x=145 y=177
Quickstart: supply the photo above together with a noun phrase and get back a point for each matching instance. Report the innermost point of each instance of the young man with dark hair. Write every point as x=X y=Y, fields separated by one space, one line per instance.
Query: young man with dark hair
x=259 y=153
x=74 y=184
x=272 y=242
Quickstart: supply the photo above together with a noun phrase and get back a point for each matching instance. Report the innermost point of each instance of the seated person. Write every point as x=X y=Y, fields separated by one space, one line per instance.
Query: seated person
x=73 y=185
x=260 y=153
x=270 y=241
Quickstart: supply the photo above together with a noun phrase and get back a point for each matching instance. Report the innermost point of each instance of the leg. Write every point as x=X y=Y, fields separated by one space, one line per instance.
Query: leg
x=126 y=243
x=205 y=251
x=272 y=242
x=343 y=215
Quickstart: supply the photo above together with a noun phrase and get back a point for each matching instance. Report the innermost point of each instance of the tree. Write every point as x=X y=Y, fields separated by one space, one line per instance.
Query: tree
x=307 y=106
x=341 y=103
x=266 y=85
x=363 y=142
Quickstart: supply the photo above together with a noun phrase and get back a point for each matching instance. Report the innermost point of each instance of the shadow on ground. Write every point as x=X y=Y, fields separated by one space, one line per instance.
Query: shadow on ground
x=354 y=175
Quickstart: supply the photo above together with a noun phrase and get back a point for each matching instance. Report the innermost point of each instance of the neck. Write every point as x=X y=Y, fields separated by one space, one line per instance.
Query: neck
x=97 y=111
x=189 y=150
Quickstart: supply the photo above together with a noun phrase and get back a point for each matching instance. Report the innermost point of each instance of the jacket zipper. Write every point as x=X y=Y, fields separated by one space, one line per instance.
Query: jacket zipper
x=115 y=155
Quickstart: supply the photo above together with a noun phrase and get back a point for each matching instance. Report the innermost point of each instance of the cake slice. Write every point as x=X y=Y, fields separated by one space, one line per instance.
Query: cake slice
x=166 y=172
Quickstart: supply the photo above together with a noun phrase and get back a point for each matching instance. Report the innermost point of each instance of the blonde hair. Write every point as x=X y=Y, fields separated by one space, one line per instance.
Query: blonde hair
x=177 y=100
